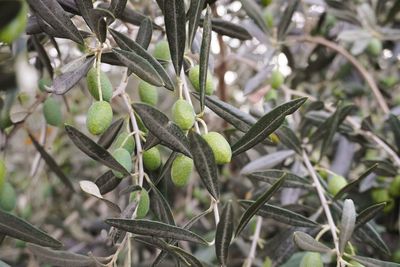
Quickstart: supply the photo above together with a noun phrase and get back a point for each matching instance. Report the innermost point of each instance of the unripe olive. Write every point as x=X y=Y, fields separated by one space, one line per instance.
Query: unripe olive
x=220 y=147
x=93 y=86
x=181 y=170
x=16 y=26
x=396 y=256
x=183 y=114
x=52 y=112
x=161 y=51
x=266 y=2
x=99 y=117
x=144 y=203
x=394 y=188
x=124 y=158
x=125 y=141
x=312 y=259
x=152 y=159
x=8 y=197
x=271 y=95
x=374 y=47
x=43 y=83
x=276 y=79
x=194 y=74
x=148 y=93
x=336 y=183
x=382 y=195
x=3 y=171
x=268 y=18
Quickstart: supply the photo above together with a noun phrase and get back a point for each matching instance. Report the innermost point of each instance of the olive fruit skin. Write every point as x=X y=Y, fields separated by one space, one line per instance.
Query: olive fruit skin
x=374 y=47
x=394 y=188
x=43 y=83
x=183 y=114
x=194 y=74
x=16 y=26
x=8 y=197
x=181 y=170
x=152 y=159
x=220 y=147
x=52 y=112
x=3 y=171
x=126 y=141
x=382 y=195
x=123 y=157
x=99 y=117
x=276 y=79
x=312 y=259
x=148 y=93
x=268 y=18
x=161 y=51
x=143 y=205
x=336 y=183
x=93 y=86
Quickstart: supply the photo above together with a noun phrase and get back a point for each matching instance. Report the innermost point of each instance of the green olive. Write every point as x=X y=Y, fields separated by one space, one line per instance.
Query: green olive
x=143 y=205
x=148 y=93
x=152 y=159
x=99 y=117
x=220 y=147
x=276 y=79
x=311 y=259
x=382 y=195
x=16 y=26
x=194 y=74
x=268 y=18
x=181 y=170
x=52 y=112
x=8 y=197
x=374 y=47
x=336 y=183
x=93 y=85
x=161 y=51
x=394 y=188
x=123 y=157
x=3 y=172
x=125 y=141
x=183 y=114
x=272 y=94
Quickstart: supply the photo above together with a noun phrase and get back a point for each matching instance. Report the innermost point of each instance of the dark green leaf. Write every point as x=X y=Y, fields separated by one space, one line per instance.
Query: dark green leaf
x=51 y=12
x=347 y=223
x=52 y=163
x=107 y=182
x=266 y=125
x=384 y=168
x=224 y=234
x=289 y=138
x=394 y=123
x=256 y=206
x=230 y=29
x=370 y=262
x=356 y=182
x=42 y=54
x=144 y=34
x=159 y=125
x=128 y=44
x=369 y=235
x=175 y=22
x=281 y=215
x=308 y=243
x=93 y=150
x=117 y=7
x=84 y=7
x=17 y=228
x=161 y=208
x=110 y=134
x=156 y=229
x=369 y=213
x=271 y=176
x=204 y=55
x=204 y=161
x=286 y=19
x=194 y=14
x=254 y=11
x=139 y=66
x=97 y=16
x=67 y=80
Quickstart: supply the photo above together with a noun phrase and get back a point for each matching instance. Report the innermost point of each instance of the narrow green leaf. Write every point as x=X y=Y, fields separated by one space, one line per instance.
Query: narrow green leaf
x=256 y=206
x=117 y=7
x=368 y=234
x=159 y=125
x=175 y=22
x=266 y=125
x=107 y=182
x=286 y=19
x=369 y=213
x=97 y=16
x=356 y=182
x=160 y=207
x=308 y=243
x=156 y=229
x=394 y=123
x=189 y=258
x=51 y=12
x=271 y=176
x=347 y=223
x=204 y=162
x=289 y=139
x=384 y=168
x=370 y=262
x=166 y=168
x=194 y=14
x=224 y=234
x=139 y=66
x=110 y=134
x=84 y=7
x=52 y=163
x=93 y=150
x=204 y=56
x=254 y=11
x=230 y=29
x=17 y=228
x=281 y=215
x=126 y=43
x=42 y=54
x=144 y=34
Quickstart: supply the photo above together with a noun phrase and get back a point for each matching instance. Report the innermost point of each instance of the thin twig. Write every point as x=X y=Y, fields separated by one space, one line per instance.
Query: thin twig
x=254 y=243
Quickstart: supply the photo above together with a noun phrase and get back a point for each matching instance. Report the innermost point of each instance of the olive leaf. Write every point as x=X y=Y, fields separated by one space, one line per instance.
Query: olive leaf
x=204 y=56
x=224 y=233
x=155 y=229
x=175 y=22
x=369 y=213
x=144 y=34
x=194 y=15
x=394 y=123
x=268 y=161
x=308 y=243
x=161 y=207
x=107 y=138
x=17 y=228
x=93 y=150
x=370 y=262
x=42 y=54
x=256 y=206
x=271 y=176
x=289 y=139
x=117 y=7
x=107 y=182
x=92 y=189
x=228 y=28
x=266 y=125
x=204 y=162
x=368 y=234
x=84 y=7
x=347 y=223
x=254 y=11
x=286 y=19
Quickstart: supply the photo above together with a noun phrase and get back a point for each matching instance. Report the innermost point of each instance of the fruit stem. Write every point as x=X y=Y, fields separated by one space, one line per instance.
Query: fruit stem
x=203 y=123
x=126 y=138
x=98 y=62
